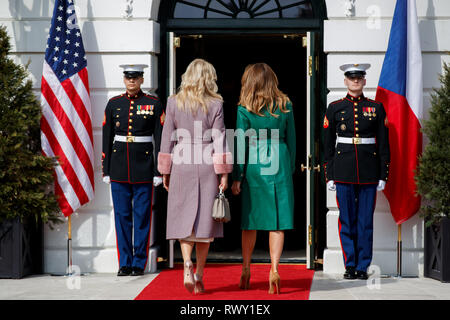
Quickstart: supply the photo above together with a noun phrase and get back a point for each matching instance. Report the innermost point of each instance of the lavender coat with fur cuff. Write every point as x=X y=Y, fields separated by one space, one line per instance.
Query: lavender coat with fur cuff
x=188 y=146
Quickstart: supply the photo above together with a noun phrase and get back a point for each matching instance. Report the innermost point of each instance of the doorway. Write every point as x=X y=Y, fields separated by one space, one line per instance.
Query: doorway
x=230 y=54
x=248 y=31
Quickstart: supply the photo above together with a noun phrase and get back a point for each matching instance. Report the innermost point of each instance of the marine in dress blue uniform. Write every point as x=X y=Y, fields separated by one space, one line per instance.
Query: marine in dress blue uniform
x=356 y=166
x=132 y=129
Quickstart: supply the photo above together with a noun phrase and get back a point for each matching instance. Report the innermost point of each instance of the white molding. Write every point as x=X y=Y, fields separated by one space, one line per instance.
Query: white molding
x=128 y=14
x=349 y=8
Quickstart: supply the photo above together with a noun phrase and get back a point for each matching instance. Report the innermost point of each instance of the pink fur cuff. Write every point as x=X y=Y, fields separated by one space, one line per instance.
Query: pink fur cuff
x=223 y=162
x=164 y=163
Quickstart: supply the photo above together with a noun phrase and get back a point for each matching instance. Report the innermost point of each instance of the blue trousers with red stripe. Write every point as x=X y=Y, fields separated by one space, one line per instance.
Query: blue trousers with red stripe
x=356 y=204
x=132 y=211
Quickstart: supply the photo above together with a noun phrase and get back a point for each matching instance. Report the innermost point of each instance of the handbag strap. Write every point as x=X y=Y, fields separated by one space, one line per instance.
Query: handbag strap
x=221 y=194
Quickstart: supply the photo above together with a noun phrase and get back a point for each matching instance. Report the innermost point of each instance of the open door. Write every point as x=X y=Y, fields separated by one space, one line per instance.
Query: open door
x=311 y=148
x=173 y=43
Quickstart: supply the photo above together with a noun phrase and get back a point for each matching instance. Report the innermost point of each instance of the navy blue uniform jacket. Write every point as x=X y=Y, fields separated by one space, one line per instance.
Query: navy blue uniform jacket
x=126 y=115
x=357 y=117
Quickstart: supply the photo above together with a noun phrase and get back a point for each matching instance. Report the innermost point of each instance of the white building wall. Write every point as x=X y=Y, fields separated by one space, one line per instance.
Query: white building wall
x=110 y=40
x=364 y=38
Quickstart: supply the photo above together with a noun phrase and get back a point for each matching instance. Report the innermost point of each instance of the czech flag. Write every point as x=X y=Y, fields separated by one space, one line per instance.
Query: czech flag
x=400 y=90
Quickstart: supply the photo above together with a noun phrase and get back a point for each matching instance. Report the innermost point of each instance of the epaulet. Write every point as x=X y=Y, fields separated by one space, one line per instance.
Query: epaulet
x=151 y=97
x=334 y=102
x=377 y=102
x=117 y=97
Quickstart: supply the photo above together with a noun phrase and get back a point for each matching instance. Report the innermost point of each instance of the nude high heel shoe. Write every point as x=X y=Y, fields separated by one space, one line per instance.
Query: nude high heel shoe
x=274 y=282
x=188 y=276
x=199 y=287
x=244 y=283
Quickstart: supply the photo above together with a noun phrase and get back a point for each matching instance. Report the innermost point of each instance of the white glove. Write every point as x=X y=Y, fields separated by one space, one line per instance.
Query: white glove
x=106 y=179
x=157 y=181
x=381 y=185
x=331 y=186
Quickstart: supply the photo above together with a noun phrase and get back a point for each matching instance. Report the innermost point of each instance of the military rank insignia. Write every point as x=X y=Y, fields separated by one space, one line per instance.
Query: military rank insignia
x=325 y=122
x=162 y=118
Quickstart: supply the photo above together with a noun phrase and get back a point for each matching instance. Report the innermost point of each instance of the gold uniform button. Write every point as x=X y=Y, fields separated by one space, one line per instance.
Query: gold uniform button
x=355 y=103
x=357 y=135
x=129 y=133
x=356 y=116
x=356 y=129
x=146 y=152
x=356 y=122
x=132 y=101
x=131 y=120
x=115 y=150
x=130 y=127
x=131 y=107
x=356 y=109
x=131 y=114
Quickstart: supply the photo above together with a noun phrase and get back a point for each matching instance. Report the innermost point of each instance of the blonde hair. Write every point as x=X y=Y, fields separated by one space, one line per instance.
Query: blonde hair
x=260 y=89
x=198 y=87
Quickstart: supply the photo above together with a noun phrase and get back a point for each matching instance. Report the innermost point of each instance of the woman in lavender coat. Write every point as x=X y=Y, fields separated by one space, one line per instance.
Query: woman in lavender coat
x=195 y=163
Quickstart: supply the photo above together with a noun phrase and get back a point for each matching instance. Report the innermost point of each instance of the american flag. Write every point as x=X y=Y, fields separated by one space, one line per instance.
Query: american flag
x=66 y=125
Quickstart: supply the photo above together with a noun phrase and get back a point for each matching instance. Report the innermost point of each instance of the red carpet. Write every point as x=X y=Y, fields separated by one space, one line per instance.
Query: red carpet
x=222 y=280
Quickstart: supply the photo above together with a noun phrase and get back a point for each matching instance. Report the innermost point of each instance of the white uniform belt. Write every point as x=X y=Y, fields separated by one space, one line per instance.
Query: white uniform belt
x=133 y=138
x=356 y=140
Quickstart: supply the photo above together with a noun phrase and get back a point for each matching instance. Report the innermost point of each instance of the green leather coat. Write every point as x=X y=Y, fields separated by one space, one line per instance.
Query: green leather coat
x=264 y=163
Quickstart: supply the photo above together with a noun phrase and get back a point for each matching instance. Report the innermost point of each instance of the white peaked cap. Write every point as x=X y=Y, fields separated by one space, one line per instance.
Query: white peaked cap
x=355 y=68
x=133 y=67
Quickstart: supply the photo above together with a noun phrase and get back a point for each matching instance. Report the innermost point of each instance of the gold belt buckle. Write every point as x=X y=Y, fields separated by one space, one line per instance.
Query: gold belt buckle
x=130 y=138
x=356 y=140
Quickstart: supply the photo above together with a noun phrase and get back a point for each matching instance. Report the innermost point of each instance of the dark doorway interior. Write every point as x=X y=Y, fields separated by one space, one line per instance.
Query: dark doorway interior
x=230 y=54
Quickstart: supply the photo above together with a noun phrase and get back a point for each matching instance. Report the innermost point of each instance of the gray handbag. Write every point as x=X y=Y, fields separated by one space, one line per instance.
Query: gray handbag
x=221 y=208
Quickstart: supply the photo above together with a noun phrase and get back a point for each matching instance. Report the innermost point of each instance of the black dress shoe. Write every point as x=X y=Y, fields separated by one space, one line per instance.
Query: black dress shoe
x=350 y=273
x=124 y=271
x=362 y=275
x=137 y=271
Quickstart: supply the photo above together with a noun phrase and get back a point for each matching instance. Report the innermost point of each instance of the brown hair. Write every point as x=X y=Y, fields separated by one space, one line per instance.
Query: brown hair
x=260 y=89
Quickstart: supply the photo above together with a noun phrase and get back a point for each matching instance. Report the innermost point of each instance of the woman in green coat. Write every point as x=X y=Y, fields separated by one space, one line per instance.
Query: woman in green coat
x=264 y=164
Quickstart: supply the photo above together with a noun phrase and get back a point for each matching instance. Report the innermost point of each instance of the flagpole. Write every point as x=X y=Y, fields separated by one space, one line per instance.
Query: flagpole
x=399 y=250
x=69 y=246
